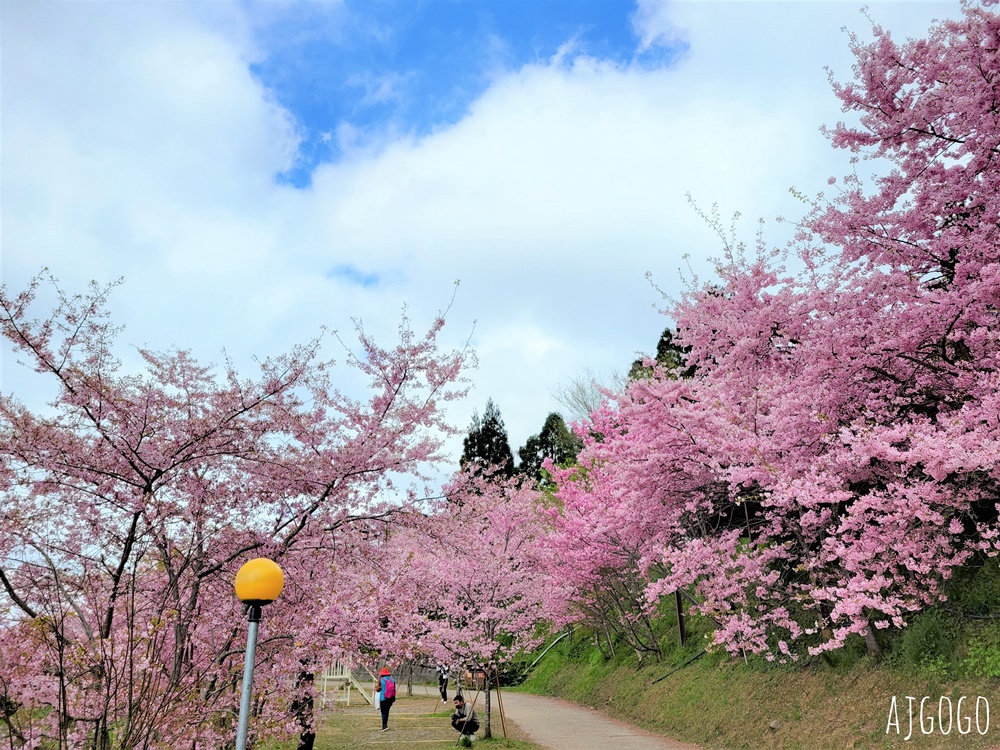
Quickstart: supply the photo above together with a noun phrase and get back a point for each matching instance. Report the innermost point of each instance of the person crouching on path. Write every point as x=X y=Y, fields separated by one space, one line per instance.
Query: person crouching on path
x=464 y=720
x=386 y=692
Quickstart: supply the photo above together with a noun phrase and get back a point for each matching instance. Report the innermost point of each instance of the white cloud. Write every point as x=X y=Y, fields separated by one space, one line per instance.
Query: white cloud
x=379 y=89
x=653 y=23
x=137 y=143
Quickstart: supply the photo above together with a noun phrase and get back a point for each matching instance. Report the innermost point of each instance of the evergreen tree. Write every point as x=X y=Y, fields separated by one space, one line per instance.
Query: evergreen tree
x=555 y=441
x=487 y=446
x=669 y=355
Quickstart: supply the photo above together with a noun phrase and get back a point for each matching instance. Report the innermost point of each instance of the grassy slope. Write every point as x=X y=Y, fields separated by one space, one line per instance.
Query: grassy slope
x=840 y=701
x=721 y=703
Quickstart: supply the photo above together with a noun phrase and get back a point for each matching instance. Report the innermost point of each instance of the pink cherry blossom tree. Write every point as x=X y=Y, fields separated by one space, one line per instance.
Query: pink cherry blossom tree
x=833 y=458
x=132 y=500
x=481 y=573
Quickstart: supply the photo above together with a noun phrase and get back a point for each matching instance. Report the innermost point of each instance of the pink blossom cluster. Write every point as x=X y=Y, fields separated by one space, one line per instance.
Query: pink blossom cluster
x=132 y=500
x=834 y=456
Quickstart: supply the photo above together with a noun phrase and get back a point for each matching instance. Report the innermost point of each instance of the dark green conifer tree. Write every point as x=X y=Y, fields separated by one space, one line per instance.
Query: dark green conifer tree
x=487 y=447
x=555 y=441
x=669 y=355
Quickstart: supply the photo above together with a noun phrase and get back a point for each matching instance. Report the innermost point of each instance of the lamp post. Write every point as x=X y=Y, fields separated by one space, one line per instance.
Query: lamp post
x=258 y=582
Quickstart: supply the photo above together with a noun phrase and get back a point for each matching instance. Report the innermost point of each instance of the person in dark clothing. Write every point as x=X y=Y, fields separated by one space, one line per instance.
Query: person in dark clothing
x=386 y=691
x=442 y=671
x=464 y=720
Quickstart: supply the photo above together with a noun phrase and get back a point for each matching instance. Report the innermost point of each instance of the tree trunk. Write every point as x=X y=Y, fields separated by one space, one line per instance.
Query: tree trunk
x=874 y=650
x=302 y=709
x=487 y=732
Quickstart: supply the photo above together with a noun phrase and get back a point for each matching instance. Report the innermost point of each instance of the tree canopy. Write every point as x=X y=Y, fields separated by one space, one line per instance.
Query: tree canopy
x=554 y=443
x=130 y=503
x=832 y=460
x=809 y=458
x=486 y=447
x=670 y=357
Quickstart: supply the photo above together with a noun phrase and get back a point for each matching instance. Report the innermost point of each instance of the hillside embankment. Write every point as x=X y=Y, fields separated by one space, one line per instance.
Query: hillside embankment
x=720 y=702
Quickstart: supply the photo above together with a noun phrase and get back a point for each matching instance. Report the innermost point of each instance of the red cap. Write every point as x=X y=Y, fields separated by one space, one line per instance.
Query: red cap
x=384 y=672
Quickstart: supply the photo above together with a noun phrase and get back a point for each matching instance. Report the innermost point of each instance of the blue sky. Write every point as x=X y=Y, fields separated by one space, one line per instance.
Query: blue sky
x=408 y=68
x=257 y=171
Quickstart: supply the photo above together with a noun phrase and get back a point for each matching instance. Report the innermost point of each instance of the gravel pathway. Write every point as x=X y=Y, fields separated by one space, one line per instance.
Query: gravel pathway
x=560 y=725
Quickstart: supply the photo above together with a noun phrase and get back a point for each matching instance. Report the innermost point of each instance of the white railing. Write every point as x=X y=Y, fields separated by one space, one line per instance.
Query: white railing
x=338 y=676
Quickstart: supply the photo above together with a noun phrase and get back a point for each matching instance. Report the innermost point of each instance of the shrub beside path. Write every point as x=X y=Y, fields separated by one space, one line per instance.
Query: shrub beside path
x=556 y=724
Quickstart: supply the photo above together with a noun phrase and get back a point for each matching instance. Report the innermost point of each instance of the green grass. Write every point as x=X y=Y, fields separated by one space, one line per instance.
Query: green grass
x=838 y=700
x=721 y=702
x=415 y=722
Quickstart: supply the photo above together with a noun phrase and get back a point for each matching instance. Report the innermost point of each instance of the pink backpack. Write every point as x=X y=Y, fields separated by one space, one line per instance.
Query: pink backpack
x=390 y=688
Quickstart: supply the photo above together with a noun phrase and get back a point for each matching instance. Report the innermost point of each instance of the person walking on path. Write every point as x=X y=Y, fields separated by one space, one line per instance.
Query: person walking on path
x=385 y=695
x=442 y=671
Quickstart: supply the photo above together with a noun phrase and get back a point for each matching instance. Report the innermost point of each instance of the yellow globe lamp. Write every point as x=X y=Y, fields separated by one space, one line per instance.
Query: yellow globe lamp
x=259 y=581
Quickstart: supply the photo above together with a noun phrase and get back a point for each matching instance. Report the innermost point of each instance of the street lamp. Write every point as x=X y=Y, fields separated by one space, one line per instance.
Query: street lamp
x=258 y=582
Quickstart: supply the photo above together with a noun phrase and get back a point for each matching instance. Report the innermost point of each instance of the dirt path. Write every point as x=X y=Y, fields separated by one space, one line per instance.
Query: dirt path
x=557 y=724
x=560 y=725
